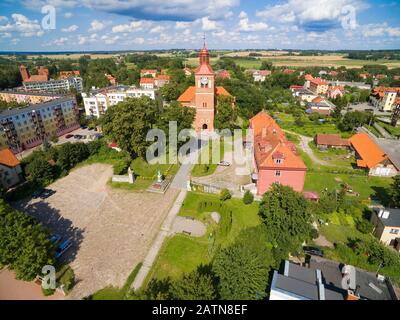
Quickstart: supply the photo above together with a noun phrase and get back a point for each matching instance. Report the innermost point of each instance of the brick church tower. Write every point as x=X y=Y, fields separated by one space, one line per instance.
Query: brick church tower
x=205 y=93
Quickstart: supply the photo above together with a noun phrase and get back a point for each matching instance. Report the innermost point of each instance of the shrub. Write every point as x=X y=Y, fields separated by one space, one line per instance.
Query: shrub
x=314 y=233
x=248 y=197
x=40 y=172
x=225 y=195
x=66 y=277
x=364 y=226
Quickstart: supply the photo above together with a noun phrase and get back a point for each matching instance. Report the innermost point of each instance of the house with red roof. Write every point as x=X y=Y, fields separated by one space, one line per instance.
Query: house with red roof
x=147 y=83
x=371 y=157
x=146 y=73
x=335 y=91
x=10 y=169
x=161 y=80
x=223 y=74
x=318 y=86
x=275 y=158
x=260 y=75
x=289 y=71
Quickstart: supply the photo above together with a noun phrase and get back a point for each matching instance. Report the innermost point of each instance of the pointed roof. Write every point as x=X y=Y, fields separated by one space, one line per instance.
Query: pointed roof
x=7 y=158
x=371 y=154
x=190 y=93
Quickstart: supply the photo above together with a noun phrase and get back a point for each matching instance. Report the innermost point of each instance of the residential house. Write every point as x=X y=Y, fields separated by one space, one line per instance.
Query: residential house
x=385 y=98
x=188 y=72
x=335 y=91
x=111 y=79
x=161 y=80
x=289 y=71
x=371 y=157
x=318 y=86
x=10 y=169
x=326 y=141
x=304 y=94
x=147 y=83
x=333 y=73
x=387 y=226
x=261 y=75
x=325 y=279
x=308 y=78
x=322 y=73
x=67 y=74
x=223 y=74
x=145 y=73
x=275 y=158
x=320 y=105
x=364 y=76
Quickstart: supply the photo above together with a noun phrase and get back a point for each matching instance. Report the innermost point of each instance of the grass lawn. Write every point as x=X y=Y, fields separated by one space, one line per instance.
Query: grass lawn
x=182 y=253
x=367 y=186
x=334 y=157
x=143 y=169
x=309 y=129
x=113 y=293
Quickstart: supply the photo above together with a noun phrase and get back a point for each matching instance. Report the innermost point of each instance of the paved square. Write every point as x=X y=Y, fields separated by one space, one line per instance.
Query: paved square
x=111 y=229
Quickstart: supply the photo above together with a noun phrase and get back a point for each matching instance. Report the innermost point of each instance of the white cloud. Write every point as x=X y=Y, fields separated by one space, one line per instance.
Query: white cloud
x=379 y=30
x=60 y=41
x=21 y=25
x=88 y=39
x=72 y=28
x=311 y=14
x=157 y=29
x=134 y=26
x=173 y=10
x=219 y=33
x=245 y=25
x=59 y=4
x=97 y=25
x=182 y=25
x=68 y=15
x=110 y=39
x=208 y=25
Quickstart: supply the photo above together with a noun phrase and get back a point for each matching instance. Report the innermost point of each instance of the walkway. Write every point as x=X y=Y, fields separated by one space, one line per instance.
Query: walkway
x=382 y=131
x=179 y=182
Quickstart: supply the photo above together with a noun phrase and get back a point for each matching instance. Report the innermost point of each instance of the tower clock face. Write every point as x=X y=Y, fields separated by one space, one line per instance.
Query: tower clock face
x=204 y=80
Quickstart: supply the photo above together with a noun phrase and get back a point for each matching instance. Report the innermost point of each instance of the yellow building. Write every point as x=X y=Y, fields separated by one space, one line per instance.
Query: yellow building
x=25 y=128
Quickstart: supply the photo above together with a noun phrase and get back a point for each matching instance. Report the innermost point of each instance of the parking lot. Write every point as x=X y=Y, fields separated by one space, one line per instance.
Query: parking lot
x=111 y=229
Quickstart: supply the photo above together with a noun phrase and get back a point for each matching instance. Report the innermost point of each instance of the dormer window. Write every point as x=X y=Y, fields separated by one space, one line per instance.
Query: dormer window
x=277 y=157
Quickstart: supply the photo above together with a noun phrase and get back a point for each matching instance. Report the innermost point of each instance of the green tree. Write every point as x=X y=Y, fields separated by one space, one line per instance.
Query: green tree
x=286 y=214
x=248 y=197
x=242 y=272
x=128 y=123
x=394 y=192
x=70 y=154
x=353 y=120
x=226 y=114
x=225 y=195
x=175 y=112
x=24 y=244
x=196 y=285
x=40 y=171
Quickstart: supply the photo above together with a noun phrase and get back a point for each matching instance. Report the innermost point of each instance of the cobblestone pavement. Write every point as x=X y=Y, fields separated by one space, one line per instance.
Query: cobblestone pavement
x=111 y=229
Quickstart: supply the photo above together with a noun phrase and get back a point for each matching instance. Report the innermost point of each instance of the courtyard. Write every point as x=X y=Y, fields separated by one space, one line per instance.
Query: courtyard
x=111 y=229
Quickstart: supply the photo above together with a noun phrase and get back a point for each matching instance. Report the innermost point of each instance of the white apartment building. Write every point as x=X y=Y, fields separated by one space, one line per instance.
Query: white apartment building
x=97 y=102
x=62 y=85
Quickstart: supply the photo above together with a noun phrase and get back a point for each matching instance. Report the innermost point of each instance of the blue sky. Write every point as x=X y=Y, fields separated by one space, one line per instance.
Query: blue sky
x=159 y=24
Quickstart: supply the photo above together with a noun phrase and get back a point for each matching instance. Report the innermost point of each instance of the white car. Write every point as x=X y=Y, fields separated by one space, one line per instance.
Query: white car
x=224 y=163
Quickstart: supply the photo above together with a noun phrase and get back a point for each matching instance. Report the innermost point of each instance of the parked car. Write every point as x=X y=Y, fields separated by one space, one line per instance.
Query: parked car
x=78 y=136
x=36 y=194
x=69 y=136
x=314 y=251
x=224 y=163
x=62 y=248
x=55 y=238
x=46 y=193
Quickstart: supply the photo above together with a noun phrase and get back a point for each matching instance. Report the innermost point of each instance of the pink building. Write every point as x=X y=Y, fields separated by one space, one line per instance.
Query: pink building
x=275 y=158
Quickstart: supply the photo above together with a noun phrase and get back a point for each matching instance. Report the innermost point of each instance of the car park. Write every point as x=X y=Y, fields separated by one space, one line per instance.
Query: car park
x=62 y=248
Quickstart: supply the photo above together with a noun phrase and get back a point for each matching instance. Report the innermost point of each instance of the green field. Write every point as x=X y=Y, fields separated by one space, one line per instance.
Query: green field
x=182 y=253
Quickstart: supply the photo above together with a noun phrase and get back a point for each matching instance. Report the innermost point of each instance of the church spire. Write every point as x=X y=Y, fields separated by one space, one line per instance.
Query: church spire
x=204 y=54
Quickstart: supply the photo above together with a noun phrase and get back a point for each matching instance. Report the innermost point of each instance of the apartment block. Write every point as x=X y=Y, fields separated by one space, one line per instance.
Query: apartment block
x=98 y=101
x=25 y=128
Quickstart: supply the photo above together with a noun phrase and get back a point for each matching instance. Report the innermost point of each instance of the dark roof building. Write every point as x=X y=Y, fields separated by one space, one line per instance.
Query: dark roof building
x=328 y=280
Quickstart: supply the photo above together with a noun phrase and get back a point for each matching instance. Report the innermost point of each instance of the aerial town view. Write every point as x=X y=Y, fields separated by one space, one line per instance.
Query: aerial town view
x=214 y=150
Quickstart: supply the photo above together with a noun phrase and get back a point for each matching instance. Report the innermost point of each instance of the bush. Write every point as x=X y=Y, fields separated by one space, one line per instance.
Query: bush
x=66 y=277
x=364 y=226
x=248 y=197
x=314 y=233
x=40 y=172
x=225 y=195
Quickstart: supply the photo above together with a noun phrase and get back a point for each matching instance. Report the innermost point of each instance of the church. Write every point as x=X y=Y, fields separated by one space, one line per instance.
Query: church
x=204 y=95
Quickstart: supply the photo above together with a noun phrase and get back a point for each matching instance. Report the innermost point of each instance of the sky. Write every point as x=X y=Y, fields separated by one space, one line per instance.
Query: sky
x=91 y=25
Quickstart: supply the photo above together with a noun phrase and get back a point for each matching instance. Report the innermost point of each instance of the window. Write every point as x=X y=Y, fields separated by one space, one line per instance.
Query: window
x=394 y=231
x=278 y=161
x=277 y=173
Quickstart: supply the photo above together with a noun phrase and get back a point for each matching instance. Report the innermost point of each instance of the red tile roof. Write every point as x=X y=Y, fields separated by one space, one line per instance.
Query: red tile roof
x=190 y=93
x=270 y=142
x=147 y=80
x=8 y=158
x=331 y=140
x=319 y=81
x=371 y=154
x=318 y=99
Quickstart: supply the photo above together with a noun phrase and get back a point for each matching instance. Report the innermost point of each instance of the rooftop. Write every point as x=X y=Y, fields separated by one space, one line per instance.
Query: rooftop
x=8 y=159
x=371 y=154
x=331 y=140
x=393 y=220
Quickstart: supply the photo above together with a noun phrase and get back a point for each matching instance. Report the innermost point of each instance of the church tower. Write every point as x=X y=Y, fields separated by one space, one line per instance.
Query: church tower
x=205 y=93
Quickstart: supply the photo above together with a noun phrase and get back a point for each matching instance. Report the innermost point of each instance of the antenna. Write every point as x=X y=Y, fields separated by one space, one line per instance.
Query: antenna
x=204 y=39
